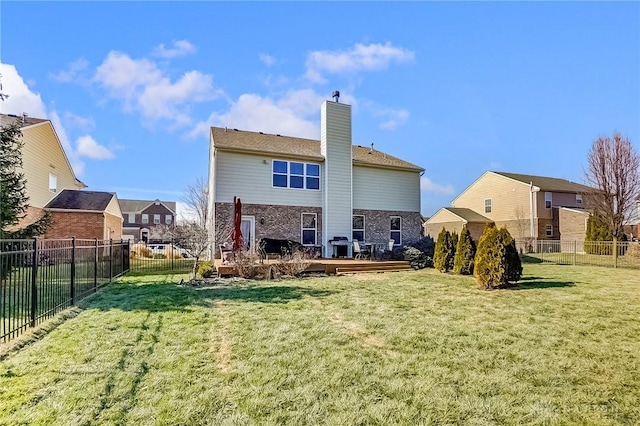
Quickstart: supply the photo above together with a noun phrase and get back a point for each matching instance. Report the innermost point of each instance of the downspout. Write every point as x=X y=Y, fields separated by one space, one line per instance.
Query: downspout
x=531 y=227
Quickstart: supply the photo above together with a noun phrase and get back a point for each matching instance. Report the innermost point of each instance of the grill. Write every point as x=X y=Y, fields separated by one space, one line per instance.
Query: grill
x=340 y=246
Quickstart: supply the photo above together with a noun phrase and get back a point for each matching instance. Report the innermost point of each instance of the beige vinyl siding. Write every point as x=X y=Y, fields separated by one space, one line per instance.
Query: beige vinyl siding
x=383 y=189
x=507 y=197
x=335 y=146
x=42 y=154
x=442 y=216
x=113 y=208
x=249 y=177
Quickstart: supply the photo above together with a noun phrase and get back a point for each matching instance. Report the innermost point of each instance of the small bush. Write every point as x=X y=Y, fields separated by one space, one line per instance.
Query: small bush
x=159 y=256
x=634 y=250
x=417 y=258
x=140 y=250
x=206 y=269
x=465 y=253
x=425 y=245
x=293 y=264
x=247 y=264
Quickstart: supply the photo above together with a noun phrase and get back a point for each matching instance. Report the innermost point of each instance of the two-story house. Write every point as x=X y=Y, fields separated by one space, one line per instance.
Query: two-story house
x=528 y=206
x=45 y=165
x=143 y=217
x=312 y=191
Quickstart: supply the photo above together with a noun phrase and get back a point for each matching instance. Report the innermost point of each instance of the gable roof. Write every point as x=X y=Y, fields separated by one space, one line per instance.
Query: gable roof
x=136 y=206
x=548 y=184
x=287 y=146
x=468 y=214
x=73 y=199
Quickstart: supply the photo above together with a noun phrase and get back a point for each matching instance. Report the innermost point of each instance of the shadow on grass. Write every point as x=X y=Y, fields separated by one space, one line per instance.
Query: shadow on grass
x=164 y=296
x=537 y=282
x=529 y=259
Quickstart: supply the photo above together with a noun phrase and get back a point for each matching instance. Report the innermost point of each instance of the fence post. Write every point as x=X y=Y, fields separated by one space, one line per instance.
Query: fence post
x=575 y=252
x=73 y=270
x=34 y=282
x=615 y=252
x=95 y=268
x=171 y=253
x=110 y=259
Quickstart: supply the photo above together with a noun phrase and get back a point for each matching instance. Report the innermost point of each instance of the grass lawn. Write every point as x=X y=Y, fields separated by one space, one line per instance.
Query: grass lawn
x=397 y=348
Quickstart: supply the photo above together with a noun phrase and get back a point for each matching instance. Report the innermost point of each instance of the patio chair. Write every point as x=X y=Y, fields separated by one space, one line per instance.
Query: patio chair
x=359 y=252
x=388 y=251
x=226 y=252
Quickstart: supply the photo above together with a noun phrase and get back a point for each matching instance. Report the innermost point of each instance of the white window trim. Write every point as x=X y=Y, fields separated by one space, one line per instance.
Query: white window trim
x=548 y=196
x=168 y=219
x=579 y=199
x=549 y=231
x=364 y=226
x=145 y=218
x=53 y=183
x=289 y=174
x=302 y=229
x=490 y=205
x=156 y=219
x=395 y=230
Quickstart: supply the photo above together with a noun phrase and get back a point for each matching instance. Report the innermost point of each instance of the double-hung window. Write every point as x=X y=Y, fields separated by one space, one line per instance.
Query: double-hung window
x=395 y=231
x=549 y=231
x=487 y=205
x=156 y=219
x=578 y=199
x=168 y=219
x=548 y=197
x=357 y=227
x=309 y=229
x=292 y=174
x=53 y=182
x=145 y=218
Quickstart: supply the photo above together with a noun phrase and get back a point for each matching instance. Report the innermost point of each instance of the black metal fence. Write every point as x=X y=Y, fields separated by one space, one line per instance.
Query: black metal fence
x=40 y=278
x=621 y=254
x=159 y=258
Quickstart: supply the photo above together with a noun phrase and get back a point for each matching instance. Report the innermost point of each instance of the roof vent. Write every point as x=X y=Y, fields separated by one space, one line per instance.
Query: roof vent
x=235 y=130
x=336 y=96
x=261 y=133
x=24 y=117
x=371 y=151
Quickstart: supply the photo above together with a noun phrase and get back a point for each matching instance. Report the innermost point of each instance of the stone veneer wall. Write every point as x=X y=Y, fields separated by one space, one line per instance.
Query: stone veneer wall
x=284 y=222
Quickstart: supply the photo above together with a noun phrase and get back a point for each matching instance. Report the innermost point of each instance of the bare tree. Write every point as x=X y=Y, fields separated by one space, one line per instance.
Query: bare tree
x=613 y=169
x=193 y=239
x=196 y=198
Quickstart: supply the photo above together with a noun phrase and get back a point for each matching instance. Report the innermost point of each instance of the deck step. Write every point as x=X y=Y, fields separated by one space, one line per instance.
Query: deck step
x=375 y=268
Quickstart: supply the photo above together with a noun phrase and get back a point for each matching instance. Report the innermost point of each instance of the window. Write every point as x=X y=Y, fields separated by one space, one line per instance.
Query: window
x=357 y=228
x=579 y=199
x=156 y=219
x=395 y=233
x=290 y=174
x=145 y=218
x=487 y=205
x=549 y=230
x=168 y=219
x=309 y=228
x=548 y=197
x=132 y=218
x=53 y=182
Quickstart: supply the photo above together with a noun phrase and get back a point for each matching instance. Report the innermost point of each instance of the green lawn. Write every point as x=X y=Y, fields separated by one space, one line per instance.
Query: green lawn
x=397 y=348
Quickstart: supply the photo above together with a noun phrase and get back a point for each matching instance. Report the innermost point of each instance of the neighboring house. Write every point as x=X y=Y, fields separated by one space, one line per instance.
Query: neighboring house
x=311 y=191
x=45 y=165
x=84 y=215
x=528 y=206
x=143 y=217
x=453 y=219
x=632 y=225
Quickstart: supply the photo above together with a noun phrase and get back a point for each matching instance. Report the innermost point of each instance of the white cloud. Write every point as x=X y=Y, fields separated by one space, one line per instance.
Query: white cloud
x=76 y=121
x=143 y=87
x=180 y=48
x=73 y=72
x=293 y=114
x=21 y=98
x=88 y=147
x=76 y=163
x=427 y=185
x=372 y=57
x=267 y=59
x=393 y=118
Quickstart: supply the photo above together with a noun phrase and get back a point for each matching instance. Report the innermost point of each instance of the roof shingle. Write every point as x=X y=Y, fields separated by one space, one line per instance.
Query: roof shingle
x=72 y=199
x=549 y=184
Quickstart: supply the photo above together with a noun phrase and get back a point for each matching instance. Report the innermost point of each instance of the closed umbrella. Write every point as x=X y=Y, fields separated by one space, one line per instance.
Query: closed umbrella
x=236 y=234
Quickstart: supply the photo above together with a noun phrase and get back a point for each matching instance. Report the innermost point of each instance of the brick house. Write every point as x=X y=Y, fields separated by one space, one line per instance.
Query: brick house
x=528 y=206
x=45 y=165
x=84 y=215
x=143 y=217
x=309 y=190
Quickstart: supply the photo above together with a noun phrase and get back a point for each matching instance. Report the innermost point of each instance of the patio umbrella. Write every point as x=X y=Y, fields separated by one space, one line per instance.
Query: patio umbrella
x=236 y=234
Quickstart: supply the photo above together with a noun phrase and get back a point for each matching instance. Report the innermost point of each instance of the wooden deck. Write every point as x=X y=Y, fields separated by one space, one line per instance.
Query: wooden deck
x=332 y=266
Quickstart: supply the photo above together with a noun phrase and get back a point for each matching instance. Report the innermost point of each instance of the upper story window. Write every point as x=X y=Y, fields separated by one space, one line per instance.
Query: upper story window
x=548 y=198
x=145 y=218
x=357 y=227
x=309 y=229
x=132 y=218
x=156 y=219
x=291 y=174
x=549 y=231
x=168 y=219
x=53 y=182
x=579 y=199
x=395 y=230
x=487 y=205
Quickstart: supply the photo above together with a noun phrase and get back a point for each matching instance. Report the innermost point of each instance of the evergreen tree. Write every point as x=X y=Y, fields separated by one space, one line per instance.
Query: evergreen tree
x=497 y=262
x=453 y=245
x=443 y=254
x=13 y=197
x=465 y=253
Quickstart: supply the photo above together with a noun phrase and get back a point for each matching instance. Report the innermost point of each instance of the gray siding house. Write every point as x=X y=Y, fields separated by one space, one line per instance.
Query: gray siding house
x=311 y=191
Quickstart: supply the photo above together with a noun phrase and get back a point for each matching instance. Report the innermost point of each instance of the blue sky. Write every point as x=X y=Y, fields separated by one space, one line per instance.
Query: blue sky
x=457 y=88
